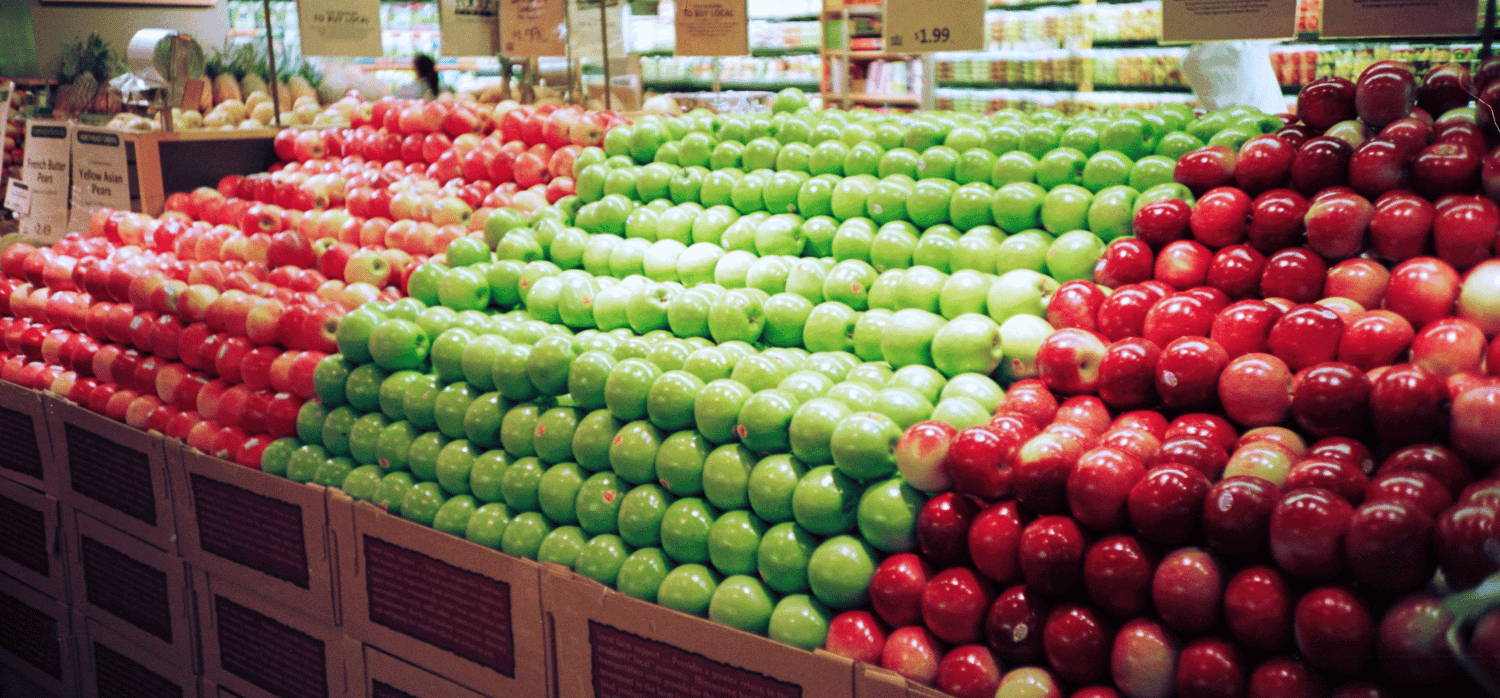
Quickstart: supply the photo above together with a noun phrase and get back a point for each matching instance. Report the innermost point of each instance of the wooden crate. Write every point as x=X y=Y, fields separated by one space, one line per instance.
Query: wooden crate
x=27 y=458
x=31 y=547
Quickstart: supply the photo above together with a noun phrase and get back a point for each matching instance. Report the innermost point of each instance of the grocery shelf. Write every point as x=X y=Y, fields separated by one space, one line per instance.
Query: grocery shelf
x=863 y=55
x=754 y=52
x=699 y=86
x=892 y=100
x=1125 y=43
x=1315 y=38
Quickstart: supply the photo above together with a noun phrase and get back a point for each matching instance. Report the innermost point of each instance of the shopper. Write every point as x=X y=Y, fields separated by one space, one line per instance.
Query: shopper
x=1230 y=73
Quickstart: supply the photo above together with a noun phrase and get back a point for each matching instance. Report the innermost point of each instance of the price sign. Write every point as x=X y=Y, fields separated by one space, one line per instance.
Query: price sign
x=18 y=197
x=100 y=176
x=712 y=28
x=587 y=34
x=339 y=27
x=470 y=27
x=1350 y=19
x=1184 y=21
x=924 y=26
x=47 y=174
x=532 y=28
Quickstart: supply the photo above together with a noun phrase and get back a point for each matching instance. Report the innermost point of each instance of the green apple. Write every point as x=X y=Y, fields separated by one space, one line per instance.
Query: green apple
x=422 y=503
x=830 y=327
x=454 y=515
x=553 y=439
x=824 y=501
x=977 y=250
x=588 y=378
x=1073 y=255
x=780 y=191
x=1081 y=136
x=454 y=464
x=975 y=165
x=422 y=284
x=684 y=530
x=1022 y=337
x=863 y=445
x=1176 y=144
x=815 y=196
x=1020 y=292
x=642 y=574
x=1161 y=192
x=717 y=187
x=524 y=534
x=1013 y=166
x=980 y=388
x=741 y=602
x=602 y=559
x=726 y=476
x=864 y=158
x=850 y=196
x=805 y=384
x=562 y=546
x=364 y=438
x=763 y=421
x=731 y=269
x=557 y=492
x=961 y=412
x=849 y=282
x=794 y=156
x=517 y=428
x=696 y=263
x=487 y=524
x=504 y=278
x=627 y=387
x=680 y=461
x=633 y=452
x=800 y=621
x=304 y=462
x=966 y=291
x=1024 y=250
x=783 y=555
x=970 y=343
x=329 y=378
x=1017 y=206
x=333 y=432
x=770 y=487
x=888 y=198
x=393 y=445
x=360 y=484
x=1111 y=213
x=903 y=405
x=688 y=588
x=450 y=408
x=839 y=571
x=362 y=388
x=924 y=380
x=1106 y=168
x=734 y=542
x=593 y=438
x=392 y=492
x=903 y=160
x=737 y=315
x=707 y=364
x=868 y=332
x=887 y=515
x=597 y=505
x=811 y=429
x=907 y=337
x=309 y=422
x=394 y=389
x=482 y=420
x=726 y=154
x=486 y=476
x=853 y=239
x=422 y=456
x=519 y=486
x=1061 y=165
x=806 y=278
x=640 y=515
x=893 y=245
x=768 y=274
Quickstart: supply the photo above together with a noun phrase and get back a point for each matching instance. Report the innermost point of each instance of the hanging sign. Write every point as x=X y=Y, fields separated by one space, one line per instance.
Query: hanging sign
x=532 y=28
x=712 y=28
x=585 y=37
x=470 y=27
x=100 y=177
x=1184 y=21
x=47 y=165
x=924 y=26
x=1350 y=19
x=339 y=27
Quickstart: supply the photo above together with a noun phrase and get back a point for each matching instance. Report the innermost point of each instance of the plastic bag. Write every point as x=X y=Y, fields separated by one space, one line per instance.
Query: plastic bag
x=1229 y=73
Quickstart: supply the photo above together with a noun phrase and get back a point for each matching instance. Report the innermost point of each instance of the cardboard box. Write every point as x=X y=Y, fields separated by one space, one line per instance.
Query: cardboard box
x=462 y=611
x=142 y=593
x=36 y=640
x=23 y=429
x=608 y=644
x=875 y=682
x=31 y=546
x=115 y=473
x=111 y=664
x=388 y=677
x=257 y=531
x=254 y=647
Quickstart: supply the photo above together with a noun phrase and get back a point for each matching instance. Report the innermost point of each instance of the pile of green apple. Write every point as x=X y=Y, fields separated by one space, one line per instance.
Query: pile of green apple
x=688 y=380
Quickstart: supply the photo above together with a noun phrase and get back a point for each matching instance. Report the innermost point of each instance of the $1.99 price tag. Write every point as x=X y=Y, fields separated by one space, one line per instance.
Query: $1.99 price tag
x=924 y=26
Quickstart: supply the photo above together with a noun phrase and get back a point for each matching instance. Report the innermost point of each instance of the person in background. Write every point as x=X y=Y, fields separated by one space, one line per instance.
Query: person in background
x=427 y=77
x=1230 y=73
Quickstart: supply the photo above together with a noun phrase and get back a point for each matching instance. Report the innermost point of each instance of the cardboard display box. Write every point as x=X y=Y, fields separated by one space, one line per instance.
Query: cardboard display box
x=110 y=664
x=610 y=645
x=142 y=593
x=257 y=531
x=27 y=457
x=114 y=472
x=875 y=682
x=13 y=684
x=254 y=647
x=385 y=676
x=31 y=543
x=36 y=640
x=462 y=611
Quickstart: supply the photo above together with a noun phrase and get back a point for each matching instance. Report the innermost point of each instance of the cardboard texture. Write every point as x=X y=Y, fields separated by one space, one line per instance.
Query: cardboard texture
x=109 y=664
x=875 y=682
x=36 y=640
x=27 y=457
x=142 y=593
x=31 y=547
x=459 y=610
x=388 y=677
x=609 y=645
x=13 y=684
x=257 y=648
x=114 y=472
x=257 y=531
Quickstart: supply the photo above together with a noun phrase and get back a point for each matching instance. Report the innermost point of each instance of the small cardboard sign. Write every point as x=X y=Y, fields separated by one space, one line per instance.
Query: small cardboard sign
x=532 y=28
x=101 y=178
x=339 y=27
x=18 y=197
x=1184 y=21
x=470 y=27
x=48 y=163
x=712 y=28
x=1350 y=19
x=586 y=35
x=192 y=93
x=923 y=26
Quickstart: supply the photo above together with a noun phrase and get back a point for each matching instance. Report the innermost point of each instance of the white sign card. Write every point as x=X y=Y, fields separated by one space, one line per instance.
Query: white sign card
x=584 y=36
x=47 y=166
x=470 y=27
x=923 y=26
x=100 y=176
x=17 y=197
x=1184 y=21
x=339 y=27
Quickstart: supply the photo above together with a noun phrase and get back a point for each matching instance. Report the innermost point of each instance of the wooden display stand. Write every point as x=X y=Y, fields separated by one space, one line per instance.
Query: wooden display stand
x=161 y=162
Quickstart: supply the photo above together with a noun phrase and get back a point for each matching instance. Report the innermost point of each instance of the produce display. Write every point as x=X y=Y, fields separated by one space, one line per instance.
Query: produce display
x=1138 y=403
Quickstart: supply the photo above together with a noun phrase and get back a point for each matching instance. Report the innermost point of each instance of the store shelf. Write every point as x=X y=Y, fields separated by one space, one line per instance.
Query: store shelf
x=866 y=55
x=754 y=52
x=1315 y=38
x=697 y=86
x=854 y=10
x=888 y=100
x=1126 y=43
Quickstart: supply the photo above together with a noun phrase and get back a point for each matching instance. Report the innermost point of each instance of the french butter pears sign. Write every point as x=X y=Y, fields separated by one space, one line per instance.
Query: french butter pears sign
x=100 y=177
x=47 y=166
x=924 y=26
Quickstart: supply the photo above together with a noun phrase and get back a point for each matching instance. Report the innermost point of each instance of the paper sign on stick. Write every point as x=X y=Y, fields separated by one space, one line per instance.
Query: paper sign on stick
x=1185 y=21
x=924 y=26
x=1344 y=19
x=712 y=28
x=532 y=28
x=48 y=164
x=470 y=27
x=339 y=27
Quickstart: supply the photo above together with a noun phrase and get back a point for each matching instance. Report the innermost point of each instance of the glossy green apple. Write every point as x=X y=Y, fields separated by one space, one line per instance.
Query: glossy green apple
x=524 y=534
x=970 y=343
x=1024 y=250
x=487 y=524
x=1176 y=144
x=962 y=412
x=726 y=476
x=362 y=388
x=737 y=315
x=422 y=456
x=731 y=269
x=780 y=191
x=741 y=602
x=839 y=571
x=1061 y=165
x=454 y=515
x=812 y=426
x=353 y=334
x=628 y=386
x=980 y=388
x=925 y=381
x=850 y=196
x=894 y=244
x=907 y=337
x=1110 y=214
x=1020 y=292
x=588 y=378
x=451 y=406
x=562 y=546
x=903 y=405
x=422 y=502
x=768 y=274
x=1022 y=336
x=806 y=278
x=455 y=463
x=887 y=515
x=868 y=331
x=553 y=438
x=394 y=389
x=1013 y=166
x=782 y=557
x=763 y=420
x=394 y=444
x=633 y=452
x=602 y=558
x=486 y=476
x=1161 y=192
x=800 y=621
x=1073 y=255
x=863 y=159
x=309 y=422
x=804 y=385
x=518 y=428
x=640 y=515
x=593 y=438
x=707 y=364
x=1106 y=168
x=392 y=492
x=364 y=439
x=966 y=291
x=689 y=589
x=853 y=239
x=642 y=573
x=684 y=530
x=771 y=484
x=734 y=542
x=849 y=282
x=304 y=462
x=557 y=492
x=1017 y=206
x=360 y=484
x=329 y=378
x=824 y=501
x=830 y=327
x=597 y=505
